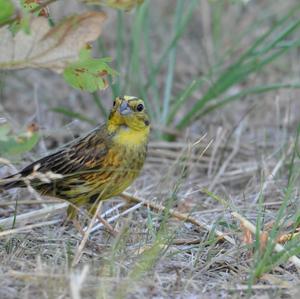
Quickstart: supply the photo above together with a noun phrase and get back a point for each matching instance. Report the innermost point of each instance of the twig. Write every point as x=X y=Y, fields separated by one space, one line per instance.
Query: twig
x=105 y=214
x=239 y=288
x=217 y=144
x=29 y=202
x=26 y=228
x=179 y=242
x=176 y=214
x=113 y=231
x=76 y=282
x=229 y=158
x=81 y=246
x=33 y=215
x=114 y=208
x=252 y=228
x=111 y=219
x=273 y=173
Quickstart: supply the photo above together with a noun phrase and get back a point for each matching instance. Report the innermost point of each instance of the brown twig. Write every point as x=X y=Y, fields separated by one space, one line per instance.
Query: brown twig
x=181 y=216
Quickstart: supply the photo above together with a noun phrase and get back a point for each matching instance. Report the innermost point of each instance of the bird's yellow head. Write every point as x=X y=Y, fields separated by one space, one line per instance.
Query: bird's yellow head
x=128 y=117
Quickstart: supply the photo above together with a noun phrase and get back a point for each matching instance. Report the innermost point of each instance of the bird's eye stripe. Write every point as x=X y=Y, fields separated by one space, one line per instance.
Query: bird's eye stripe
x=132 y=100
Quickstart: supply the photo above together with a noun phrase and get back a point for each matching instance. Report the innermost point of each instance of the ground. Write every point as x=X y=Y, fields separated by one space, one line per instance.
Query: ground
x=236 y=159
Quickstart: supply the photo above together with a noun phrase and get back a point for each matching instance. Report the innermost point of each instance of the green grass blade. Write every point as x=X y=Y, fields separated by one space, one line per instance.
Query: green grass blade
x=72 y=114
x=239 y=71
x=183 y=98
x=119 y=47
x=185 y=20
x=153 y=91
x=246 y=92
x=99 y=104
x=171 y=65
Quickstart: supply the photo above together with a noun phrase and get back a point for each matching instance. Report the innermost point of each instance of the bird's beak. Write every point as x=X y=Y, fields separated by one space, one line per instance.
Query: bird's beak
x=124 y=108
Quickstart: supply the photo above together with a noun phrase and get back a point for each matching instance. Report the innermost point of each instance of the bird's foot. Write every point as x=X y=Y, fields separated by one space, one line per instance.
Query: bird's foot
x=109 y=227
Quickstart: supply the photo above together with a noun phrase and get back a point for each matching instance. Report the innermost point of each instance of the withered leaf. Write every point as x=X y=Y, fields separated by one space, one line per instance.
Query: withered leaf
x=247 y=235
x=263 y=241
x=46 y=47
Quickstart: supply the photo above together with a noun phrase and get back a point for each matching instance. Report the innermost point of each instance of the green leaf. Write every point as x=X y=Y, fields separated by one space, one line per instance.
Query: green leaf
x=29 y=6
x=14 y=145
x=6 y=10
x=23 y=24
x=88 y=73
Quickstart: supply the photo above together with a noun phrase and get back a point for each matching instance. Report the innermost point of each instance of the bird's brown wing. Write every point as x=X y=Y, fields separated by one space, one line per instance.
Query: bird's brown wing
x=83 y=154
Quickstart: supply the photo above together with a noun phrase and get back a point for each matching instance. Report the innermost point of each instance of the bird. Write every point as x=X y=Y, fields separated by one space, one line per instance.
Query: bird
x=94 y=167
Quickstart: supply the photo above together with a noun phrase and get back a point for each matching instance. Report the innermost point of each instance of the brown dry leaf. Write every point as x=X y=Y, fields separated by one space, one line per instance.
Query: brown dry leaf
x=247 y=235
x=263 y=238
x=286 y=237
x=46 y=47
x=32 y=128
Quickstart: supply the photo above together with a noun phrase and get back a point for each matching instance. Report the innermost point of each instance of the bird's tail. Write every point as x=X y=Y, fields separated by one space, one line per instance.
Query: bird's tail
x=11 y=182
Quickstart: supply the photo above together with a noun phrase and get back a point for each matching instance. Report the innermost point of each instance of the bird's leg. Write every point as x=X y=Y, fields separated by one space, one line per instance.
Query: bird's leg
x=78 y=226
x=72 y=217
x=113 y=231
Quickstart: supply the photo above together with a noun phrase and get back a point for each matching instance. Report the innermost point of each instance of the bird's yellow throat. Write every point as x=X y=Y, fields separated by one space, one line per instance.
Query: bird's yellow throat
x=130 y=137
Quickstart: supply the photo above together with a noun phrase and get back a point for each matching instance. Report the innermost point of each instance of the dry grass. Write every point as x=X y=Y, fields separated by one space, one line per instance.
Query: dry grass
x=190 y=256
x=181 y=239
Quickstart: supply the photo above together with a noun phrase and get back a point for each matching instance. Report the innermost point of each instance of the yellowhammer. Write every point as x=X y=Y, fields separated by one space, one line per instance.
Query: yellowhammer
x=99 y=165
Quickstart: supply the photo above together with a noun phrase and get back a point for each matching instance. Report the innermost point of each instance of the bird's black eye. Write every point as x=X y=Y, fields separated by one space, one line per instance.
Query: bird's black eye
x=114 y=103
x=140 y=107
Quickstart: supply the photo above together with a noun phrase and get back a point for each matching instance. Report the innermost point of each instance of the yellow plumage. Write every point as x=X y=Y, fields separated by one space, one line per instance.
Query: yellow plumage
x=99 y=165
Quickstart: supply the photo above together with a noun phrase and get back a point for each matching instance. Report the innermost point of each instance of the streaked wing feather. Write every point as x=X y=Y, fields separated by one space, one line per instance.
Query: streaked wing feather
x=73 y=157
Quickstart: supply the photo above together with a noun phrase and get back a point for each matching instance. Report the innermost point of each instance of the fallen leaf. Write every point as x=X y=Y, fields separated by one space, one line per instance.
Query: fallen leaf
x=46 y=47
x=32 y=128
x=263 y=241
x=287 y=237
x=247 y=235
